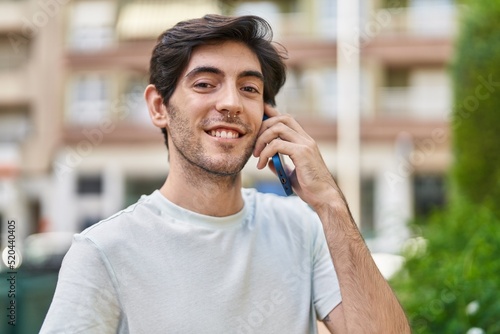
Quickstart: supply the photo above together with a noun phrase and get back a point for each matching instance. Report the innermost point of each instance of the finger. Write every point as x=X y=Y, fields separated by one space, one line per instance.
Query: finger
x=270 y=111
x=286 y=119
x=287 y=168
x=278 y=131
x=272 y=148
x=271 y=166
x=288 y=171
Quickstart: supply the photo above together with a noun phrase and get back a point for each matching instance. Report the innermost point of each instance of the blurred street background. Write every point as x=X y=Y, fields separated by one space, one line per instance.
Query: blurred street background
x=76 y=144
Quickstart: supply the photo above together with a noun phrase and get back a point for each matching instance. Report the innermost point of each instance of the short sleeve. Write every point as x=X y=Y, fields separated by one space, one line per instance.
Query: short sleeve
x=326 y=289
x=85 y=300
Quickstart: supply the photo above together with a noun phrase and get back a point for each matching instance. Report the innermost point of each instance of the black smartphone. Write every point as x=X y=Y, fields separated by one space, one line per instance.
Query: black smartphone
x=280 y=170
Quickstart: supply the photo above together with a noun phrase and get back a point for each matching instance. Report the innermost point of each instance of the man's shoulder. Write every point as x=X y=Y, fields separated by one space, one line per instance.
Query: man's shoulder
x=134 y=215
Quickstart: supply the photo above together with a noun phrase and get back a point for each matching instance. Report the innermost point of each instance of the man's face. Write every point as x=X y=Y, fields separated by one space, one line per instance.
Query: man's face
x=217 y=108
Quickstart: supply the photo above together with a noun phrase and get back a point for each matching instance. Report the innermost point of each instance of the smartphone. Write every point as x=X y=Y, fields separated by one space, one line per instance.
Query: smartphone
x=280 y=170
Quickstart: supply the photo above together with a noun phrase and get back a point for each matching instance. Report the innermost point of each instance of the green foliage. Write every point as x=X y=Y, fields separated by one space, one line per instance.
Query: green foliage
x=476 y=114
x=453 y=284
x=458 y=269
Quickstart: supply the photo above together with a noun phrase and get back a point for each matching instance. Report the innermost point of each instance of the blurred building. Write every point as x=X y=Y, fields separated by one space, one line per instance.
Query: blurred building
x=77 y=145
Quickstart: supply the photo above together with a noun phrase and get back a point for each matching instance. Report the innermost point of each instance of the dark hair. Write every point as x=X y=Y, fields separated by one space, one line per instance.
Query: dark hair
x=174 y=47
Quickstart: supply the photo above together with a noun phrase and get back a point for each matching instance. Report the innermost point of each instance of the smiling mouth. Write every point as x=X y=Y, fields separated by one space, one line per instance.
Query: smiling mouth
x=225 y=134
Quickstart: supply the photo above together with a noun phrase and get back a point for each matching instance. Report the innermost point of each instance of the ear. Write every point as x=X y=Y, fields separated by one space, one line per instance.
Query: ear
x=157 y=110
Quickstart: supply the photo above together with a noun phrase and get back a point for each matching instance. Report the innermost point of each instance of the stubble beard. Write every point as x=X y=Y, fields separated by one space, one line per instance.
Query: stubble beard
x=195 y=161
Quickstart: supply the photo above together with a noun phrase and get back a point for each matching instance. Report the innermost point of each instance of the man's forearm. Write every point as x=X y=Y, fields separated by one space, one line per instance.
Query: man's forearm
x=369 y=303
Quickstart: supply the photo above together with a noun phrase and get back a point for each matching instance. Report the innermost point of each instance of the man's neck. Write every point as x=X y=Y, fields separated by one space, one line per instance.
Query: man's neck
x=204 y=193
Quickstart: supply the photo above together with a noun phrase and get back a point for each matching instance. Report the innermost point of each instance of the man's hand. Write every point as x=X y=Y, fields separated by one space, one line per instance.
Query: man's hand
x=311 y=179
x=368 y=303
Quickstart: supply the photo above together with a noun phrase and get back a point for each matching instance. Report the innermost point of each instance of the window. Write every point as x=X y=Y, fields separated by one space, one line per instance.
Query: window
x=291 y=98
x=92 y=25
x=429 y=2
x=14 y=124
x=430 y=93
x=397 y=77
x=429 y=194
x=265 y=9
x=395 y=3
x=394 y=95
x=14 y=51
x=418 y=93
x=432 y=17
x=35 y=216
x=327 y=18
x=89 y=185
x=90 y=189
x=135 y=104
x=327 y=93
x=89 y=98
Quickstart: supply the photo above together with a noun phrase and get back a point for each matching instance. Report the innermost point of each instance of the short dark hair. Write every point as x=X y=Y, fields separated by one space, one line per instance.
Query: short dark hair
x=174 y=47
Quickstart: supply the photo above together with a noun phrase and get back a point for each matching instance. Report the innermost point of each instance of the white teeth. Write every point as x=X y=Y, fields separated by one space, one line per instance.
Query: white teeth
x=224 y=134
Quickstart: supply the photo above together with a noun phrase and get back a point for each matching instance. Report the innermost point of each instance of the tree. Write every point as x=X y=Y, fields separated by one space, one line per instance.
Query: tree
x=476 y=114
x=450 y=283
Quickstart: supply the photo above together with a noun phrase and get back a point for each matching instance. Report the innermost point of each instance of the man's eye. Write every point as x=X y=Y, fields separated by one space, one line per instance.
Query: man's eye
x=203 y=85
x=250 y=89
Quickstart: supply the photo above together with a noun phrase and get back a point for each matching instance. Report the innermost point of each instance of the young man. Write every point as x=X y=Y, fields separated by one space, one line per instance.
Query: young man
x=203 y=255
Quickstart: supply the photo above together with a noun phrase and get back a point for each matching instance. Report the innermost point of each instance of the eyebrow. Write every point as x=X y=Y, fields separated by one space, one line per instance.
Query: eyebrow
x=255 y=74
x=215 y=70
x=203 y=69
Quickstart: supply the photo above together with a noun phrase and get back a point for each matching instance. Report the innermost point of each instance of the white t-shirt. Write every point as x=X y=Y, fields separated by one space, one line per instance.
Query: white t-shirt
x=158 y=268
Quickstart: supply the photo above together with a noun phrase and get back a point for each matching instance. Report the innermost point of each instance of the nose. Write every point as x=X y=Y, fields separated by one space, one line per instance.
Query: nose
x=229 y=101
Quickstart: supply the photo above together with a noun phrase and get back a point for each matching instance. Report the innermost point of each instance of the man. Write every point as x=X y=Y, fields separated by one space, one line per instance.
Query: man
x=203 y=255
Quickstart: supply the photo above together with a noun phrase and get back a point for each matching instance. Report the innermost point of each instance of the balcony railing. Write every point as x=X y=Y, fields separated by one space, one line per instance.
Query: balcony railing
x=430 y=102
x=433 y=20
x=438 y=20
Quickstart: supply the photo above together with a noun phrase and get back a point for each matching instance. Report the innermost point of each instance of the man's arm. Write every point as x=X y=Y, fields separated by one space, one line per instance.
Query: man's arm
x=335 y=320
x=368 y=303
x=85 y=301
